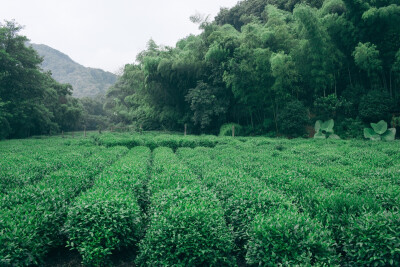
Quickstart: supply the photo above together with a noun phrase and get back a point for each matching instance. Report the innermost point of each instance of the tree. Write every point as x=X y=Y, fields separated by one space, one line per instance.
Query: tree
x=29 y=98
x=206 y=104
x=366 y=57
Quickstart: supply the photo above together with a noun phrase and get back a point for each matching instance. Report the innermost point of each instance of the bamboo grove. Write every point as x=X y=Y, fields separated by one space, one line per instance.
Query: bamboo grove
x=271 y=66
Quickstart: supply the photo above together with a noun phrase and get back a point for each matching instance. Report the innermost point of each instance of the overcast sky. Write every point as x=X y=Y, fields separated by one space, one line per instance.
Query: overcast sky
x=107 y=34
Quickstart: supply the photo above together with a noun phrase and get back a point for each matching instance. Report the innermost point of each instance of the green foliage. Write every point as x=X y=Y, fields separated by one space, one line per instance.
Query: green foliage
x=32 y=216
x=380 y=131
x=324 y=130
x=108 y=217
x=205 y=104
x=373 y=239
x=246 y=66
x=293 y=119
x=4 y=124
x=374 y=106
x=289 y=238
x=366 y=56
x=187 y=228
x=267 y=201
x=31 y=102
x=350 y=128
x=100 y=222
x=331 y=107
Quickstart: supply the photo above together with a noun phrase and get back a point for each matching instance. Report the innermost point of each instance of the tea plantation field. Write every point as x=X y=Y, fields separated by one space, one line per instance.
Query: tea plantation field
x=170 y=200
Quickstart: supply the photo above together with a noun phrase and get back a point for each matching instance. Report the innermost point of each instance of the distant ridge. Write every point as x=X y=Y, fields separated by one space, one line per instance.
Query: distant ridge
x=86 y=82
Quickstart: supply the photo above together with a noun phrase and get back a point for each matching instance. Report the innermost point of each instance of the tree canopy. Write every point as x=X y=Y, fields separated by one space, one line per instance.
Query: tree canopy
x=256 y=58
x=31 y=101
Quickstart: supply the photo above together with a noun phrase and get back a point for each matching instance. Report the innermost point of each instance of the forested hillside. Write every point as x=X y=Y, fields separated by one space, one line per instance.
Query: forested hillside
x=271 y=66
x=31 y=101
x=87 y=82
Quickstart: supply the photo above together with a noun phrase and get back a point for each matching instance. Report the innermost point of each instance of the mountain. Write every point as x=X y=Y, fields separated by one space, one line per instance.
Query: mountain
x=85 y=81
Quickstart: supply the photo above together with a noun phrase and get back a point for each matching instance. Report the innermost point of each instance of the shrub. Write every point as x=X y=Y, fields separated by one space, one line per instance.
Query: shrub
x=330 y=107
x=187 y=228
x=375 y=106
x=350 y=128
x=289 y=238
x=242 y=198
x=108 y=216
x=31 y=225
x=293 y=119
x=373 y=240
x=102 y=221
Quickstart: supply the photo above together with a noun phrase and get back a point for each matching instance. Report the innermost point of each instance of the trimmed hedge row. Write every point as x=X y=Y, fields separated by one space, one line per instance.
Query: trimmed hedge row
x=245 y=198
x=23 y=164
x=187 y=227
x=30 y=226
x=289 y=238
x=163 y=140
x=108 y=217
x=337 y=189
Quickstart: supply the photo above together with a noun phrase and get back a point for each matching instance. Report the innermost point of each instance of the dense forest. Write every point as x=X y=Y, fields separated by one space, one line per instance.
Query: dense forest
x=31 y=101
x=270 y=67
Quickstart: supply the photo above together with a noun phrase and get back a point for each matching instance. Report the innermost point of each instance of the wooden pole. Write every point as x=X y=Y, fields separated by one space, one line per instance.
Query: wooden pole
x=84 y=130
x=185 y=128
x=62 y=133
x=73 y=134
x=233 y=130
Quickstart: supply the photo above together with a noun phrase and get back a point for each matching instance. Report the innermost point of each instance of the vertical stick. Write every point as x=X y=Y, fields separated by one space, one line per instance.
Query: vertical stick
x=62 y=134
x=233 y=130
x=185 y=128
x=84 y=130
x=73 y=134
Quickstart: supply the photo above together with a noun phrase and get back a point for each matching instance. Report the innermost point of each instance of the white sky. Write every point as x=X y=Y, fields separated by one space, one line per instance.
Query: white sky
x=107 y=34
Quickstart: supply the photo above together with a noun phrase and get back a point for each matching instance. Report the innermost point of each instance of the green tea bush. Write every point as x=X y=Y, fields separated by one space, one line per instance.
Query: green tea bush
x=35 y=161
x=108 y=217
x=102 y=221
x=242 y=198
x=187 y=228
x=168 y=172
x=32 y=218
x=373 y=240
x=289 y=238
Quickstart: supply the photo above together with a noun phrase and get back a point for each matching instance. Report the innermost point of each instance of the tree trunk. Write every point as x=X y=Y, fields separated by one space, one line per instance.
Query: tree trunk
x=275 y=112
x=351 y=83
x=390 y=84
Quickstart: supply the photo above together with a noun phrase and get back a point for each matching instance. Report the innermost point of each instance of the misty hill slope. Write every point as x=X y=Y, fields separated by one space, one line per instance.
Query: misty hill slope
x=85 y=81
